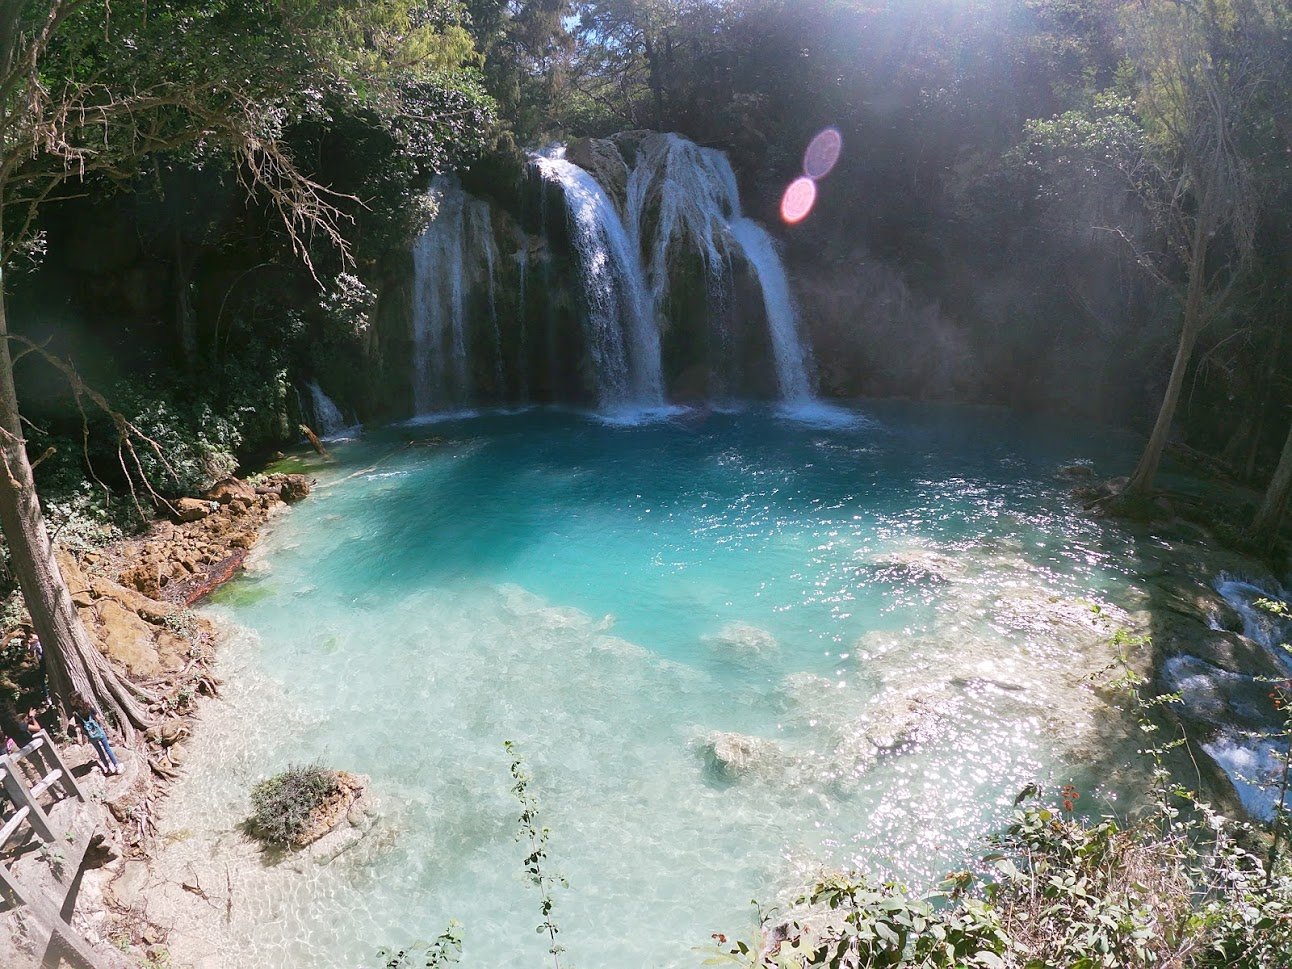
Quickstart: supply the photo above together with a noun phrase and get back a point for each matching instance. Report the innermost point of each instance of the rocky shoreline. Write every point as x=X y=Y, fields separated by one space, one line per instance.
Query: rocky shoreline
x=134 y=597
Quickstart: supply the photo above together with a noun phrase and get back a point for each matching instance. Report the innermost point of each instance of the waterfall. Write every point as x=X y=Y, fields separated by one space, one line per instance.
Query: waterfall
x=673 y=218
x=522 y=315
x=327 y=416
x=789 y=354
x=622 y=332
x=692 y=195
x=485 y=231
x=454 y=255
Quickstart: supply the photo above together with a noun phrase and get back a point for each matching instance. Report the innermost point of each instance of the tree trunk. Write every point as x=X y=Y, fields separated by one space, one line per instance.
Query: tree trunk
x=655 y=79
x=185 y=317
x=73 y=662
x=1141 y=482
x=1265 y=526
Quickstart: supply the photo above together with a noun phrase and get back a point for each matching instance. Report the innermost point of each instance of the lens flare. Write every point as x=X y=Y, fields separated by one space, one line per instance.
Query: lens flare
x=823 y=154
x=798 y=201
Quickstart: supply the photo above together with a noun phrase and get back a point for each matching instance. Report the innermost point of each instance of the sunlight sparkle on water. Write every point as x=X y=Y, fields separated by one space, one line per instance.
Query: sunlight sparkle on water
x=842 y=594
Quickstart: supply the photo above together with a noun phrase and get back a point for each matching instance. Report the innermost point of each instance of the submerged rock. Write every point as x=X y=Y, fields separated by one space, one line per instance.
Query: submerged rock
x=742 y=639
x=732 y=756
x=1032 y=609
x=920 y=565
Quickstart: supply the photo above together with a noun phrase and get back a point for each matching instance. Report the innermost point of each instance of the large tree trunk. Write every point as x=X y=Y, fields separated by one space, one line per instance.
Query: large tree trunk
x=1265 y=526
x=1141 y=482
x=72 y=660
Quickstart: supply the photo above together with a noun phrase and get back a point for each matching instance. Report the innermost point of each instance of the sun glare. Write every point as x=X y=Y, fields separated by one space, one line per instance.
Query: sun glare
x=799 y=199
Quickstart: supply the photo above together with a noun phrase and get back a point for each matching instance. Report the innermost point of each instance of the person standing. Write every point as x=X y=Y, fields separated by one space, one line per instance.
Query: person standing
x=86 y=719
x=14 y=726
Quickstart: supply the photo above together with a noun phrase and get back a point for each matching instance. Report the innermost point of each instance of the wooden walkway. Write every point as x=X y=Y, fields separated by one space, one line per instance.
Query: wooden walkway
x=51 y=914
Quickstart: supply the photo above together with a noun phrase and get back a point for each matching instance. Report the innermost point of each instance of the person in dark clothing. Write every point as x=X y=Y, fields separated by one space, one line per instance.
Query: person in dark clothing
x=14 y=726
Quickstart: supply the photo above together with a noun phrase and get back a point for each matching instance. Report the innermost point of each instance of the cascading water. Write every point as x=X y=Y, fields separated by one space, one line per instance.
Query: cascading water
x=451 y=258
x=690 y=194
x=328 y=419
x=522 y=271
x=793 y=377
x=623 y=335
x=635 y=231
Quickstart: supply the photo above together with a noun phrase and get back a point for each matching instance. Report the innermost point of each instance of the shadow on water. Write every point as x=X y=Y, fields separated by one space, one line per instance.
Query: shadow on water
x=1175 y=566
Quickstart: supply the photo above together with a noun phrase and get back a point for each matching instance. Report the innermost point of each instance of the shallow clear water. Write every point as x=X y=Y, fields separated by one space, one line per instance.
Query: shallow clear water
x=905 y=607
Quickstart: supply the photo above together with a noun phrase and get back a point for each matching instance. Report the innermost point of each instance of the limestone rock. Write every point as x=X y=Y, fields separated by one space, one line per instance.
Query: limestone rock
x=1077 y=471
x=742 y=639
x=136 y=602
x=144 y=578
x=231 y=489
x=601 y=159
x=1175 y=634
x=192 y=509
x=918 y=565
x=127 y=888
x=77 y=583
x=127 y=639
x=358 y=819
x=336 y=810
x=126 y=799
x=289 y=487
x=731 y=756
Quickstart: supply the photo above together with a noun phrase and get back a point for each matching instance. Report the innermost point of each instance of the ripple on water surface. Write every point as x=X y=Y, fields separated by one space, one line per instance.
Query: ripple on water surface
x=887 y=621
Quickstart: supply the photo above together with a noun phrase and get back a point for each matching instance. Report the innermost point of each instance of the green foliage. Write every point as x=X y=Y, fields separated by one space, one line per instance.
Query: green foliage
x=1172 y=889
x=282 y=806
x=197 y=445
x=82 y=521
x=1079 y=145
x=446 y=950
x=531 y=832
x=1275 y=607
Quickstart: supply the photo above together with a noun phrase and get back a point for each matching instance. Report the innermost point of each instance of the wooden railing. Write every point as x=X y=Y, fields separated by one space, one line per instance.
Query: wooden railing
x=25 y=810
x=43 y=755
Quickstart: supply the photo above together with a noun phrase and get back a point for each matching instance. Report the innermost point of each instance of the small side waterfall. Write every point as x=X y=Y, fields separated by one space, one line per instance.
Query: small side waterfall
x=522 y=354
x=793 y=376
x=328 y=420
x=454 y=255
x=622 y=331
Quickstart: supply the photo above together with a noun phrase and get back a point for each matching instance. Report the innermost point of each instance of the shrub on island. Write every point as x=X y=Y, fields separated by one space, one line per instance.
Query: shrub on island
x=302 y=804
